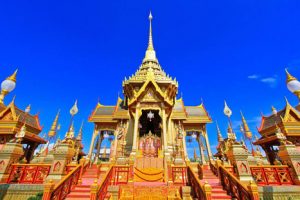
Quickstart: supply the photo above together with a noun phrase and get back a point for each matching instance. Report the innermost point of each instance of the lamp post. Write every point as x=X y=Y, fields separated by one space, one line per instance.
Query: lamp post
x=292 y=84
x=8 y=85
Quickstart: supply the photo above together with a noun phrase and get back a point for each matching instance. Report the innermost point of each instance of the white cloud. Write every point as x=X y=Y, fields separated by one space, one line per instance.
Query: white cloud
x=270 y=81
x=254 y=76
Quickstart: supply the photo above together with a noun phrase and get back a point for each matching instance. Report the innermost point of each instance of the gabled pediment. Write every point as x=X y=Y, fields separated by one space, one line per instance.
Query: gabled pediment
x=8 y=114
x=291 y=114
x=150 y=91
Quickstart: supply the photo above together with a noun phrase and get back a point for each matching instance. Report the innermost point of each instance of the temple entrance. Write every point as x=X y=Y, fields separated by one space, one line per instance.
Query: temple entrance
x=150 y=133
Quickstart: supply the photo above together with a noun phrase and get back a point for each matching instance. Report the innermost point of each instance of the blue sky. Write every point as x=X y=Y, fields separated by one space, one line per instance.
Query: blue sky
x=67 y=50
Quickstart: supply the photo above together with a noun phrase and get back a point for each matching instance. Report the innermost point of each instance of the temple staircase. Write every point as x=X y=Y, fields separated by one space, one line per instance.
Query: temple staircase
x=213 y=180
x=82 y=191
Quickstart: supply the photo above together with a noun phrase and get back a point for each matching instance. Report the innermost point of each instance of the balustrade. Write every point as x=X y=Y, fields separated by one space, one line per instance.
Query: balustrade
x=199 y=190
x=116 y=175
x=213 y=168
x=64 y=187
x=271 y=175
x=179 y=176
x=232 y=185
x=28 y=173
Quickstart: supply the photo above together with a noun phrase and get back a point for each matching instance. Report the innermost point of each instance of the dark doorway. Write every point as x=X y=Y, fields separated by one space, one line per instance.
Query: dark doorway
x=150 y=121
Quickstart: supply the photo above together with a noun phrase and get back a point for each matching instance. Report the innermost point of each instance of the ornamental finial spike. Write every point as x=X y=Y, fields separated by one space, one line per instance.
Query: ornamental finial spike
x=289 y=77
x=13 y=77
x=247 y=131
x=79 y=136
x=150 y=42
x=54 y=126
x=220 y=138
x=150 y=53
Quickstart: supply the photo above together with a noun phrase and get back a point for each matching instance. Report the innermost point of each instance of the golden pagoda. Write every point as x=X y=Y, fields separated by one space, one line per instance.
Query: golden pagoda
x=149 y=121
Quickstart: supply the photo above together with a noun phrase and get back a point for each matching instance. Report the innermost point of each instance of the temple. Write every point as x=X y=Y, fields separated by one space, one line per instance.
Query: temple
x=150 y=122
x=140 y=148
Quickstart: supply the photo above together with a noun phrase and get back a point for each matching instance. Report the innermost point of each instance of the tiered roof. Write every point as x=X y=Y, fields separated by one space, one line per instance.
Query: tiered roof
x=12 y=119
x=287 y=119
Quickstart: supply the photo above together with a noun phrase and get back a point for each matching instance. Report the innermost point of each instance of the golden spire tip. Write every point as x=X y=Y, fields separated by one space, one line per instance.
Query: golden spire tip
x=289 y=77
x=13 y=77
x=150 y=16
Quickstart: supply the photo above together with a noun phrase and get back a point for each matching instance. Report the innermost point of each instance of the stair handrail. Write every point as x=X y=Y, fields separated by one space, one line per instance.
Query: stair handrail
x=100 y=191
x=214 y=168
x=200 y=190
x=229 y=182
x=63 y=187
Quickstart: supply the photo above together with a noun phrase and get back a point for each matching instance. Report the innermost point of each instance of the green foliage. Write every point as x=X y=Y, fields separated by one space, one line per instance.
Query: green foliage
x=38 y=196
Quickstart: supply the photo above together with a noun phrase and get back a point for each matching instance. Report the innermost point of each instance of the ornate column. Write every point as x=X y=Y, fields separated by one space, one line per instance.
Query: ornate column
x=170 y=138
x=93 y=142
x=98 y=147
x=201 y=149
x=184 y=146
x=113 y=152
x=136 y=128
x=210 y=156
x=164 y=130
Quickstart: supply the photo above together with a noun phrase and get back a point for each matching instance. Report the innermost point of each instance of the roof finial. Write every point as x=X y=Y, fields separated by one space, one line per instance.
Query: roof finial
x=54 y=127
x=150 y=42
x=150 y=53
x=220 y=138
x=246 y=129
x=289 y=77
x=13 y=77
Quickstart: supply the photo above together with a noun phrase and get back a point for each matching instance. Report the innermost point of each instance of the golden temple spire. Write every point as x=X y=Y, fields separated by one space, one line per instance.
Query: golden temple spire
x=13 y=77
x=247 y=131
x=195 y=154
x=79 y=136
x=289 y=77
x=230 y=133
x=220 y=138
x=150 y=42
x=150 y=53
x=70 y=133
x=54 y=126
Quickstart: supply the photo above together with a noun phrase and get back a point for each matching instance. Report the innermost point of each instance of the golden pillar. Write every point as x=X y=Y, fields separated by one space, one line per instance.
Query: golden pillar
x=113 y=154
x=164 y=130
x=93 y=142
x=98 y=147
x=184 y=146
x=210 y=156
x=201 y=149
x=166 y=150
x=136 y=128
x=170 y=136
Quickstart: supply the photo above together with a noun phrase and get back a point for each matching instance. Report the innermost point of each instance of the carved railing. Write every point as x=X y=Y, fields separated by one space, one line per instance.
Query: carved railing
x=116 y=175
x=200 y=171
x=70 y=167
x=64 y=187
x=232 y=185
x=214 y=168
x=28 y=173
x=121 y=175
x=179 y=175
x=271 y=175
x=201 y=191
